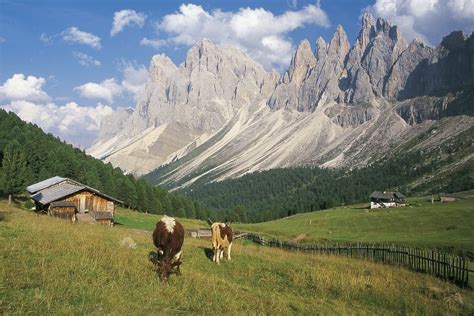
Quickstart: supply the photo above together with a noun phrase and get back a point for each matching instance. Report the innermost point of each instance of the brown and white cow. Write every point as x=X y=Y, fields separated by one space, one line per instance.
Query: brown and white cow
x=168 y=238
x=221 y=239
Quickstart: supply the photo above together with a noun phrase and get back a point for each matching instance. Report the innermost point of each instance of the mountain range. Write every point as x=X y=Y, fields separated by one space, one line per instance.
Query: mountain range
x=221 y=115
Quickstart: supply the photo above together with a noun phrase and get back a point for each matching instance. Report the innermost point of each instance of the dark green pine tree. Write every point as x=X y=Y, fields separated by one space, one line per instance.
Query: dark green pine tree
x=14 y=170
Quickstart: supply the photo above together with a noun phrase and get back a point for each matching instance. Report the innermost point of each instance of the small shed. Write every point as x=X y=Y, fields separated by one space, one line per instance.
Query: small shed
x=62 y=209
x=103 y=218
x=62 y=196
x=446 y=197
x=386 y=199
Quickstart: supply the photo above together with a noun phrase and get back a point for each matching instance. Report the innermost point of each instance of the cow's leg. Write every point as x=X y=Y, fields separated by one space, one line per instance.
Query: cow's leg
x=228 y=251
x=222 y=253
x=218 y=255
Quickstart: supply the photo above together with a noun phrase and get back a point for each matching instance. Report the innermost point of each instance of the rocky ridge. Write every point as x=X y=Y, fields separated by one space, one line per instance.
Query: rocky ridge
x=220 y=114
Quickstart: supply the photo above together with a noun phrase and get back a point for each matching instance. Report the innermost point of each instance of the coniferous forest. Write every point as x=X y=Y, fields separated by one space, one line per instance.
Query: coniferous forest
x=277 y=193
x=29 y=156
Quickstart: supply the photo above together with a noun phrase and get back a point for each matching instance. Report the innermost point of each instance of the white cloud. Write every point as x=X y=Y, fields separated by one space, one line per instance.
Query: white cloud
x=106 y=90
x=134 y=77
x=46 y=39
x=124 y=18
x=74 y=35
x=86 y=60
x=20 y=87
x=76 y=124
x=292 y=3
x=258 y=32
x=428 y=20
x=155 y=43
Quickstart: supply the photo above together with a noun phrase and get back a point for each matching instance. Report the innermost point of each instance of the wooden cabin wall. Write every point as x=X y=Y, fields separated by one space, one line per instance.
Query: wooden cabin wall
x=93 y=203
x=65 y=212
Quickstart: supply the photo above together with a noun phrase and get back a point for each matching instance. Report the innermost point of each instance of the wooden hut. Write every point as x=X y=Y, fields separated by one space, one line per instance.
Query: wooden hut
x=63 y=197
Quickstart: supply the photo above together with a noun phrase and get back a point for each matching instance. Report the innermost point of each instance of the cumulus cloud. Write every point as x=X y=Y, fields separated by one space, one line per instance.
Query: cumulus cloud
x=428 y=20
x=124 y=18
x=86 y=60
x=21 y=87
x=106 y=90
x=134 y=77
x=74 y=35
x=76 y=124
x=258 y=32
x=155 y=43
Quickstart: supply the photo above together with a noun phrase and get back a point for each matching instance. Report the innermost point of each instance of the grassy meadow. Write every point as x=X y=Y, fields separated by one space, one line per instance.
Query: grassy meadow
x=132 y=219
x=50 y=266
x=447 y=226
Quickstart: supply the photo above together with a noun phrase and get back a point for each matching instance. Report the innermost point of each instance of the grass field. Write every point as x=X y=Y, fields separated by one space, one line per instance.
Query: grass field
x=448 y=226
x=50 y=266
x=132 y=219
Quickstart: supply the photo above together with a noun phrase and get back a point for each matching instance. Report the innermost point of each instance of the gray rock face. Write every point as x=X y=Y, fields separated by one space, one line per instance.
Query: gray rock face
x=335 y=106
x=380 y=65
x=111 y=125
x=186 y=102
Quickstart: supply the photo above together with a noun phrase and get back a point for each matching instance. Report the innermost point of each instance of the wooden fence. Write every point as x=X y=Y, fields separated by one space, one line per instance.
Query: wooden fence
x=449 y=267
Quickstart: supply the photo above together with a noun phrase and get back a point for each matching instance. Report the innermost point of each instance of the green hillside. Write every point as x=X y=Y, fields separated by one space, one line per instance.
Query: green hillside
x=446 y=166
x=47 y=156
x=50 y=266
x=446 y=226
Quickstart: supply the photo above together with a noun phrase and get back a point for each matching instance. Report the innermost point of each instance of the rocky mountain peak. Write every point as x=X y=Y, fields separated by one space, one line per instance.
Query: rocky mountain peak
x=367 y=21
x=302 y=61
x=454 y=40
x=338 y=91
x=321 y=48
x=367 y=31
x=161 y=66
x=339 y=44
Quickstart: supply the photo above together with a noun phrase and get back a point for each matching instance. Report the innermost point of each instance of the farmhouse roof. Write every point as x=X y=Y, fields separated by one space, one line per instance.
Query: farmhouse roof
x=44 y=184
x=56 y=188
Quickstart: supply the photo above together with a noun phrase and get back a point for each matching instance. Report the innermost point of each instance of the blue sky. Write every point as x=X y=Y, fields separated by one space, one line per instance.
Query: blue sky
x=60 y=59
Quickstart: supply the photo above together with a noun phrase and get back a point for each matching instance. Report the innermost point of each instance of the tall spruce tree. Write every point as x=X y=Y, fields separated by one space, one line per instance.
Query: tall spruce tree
x=14 y=170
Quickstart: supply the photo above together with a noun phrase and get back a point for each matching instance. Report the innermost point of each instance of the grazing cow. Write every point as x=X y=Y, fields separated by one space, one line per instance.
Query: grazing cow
x=221 y=239
x=168 y=238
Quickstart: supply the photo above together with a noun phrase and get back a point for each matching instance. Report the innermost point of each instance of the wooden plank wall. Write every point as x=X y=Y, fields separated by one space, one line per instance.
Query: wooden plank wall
x=94 y=203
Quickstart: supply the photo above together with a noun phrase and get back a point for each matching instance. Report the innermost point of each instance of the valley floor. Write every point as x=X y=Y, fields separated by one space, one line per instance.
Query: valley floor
x=52 y=266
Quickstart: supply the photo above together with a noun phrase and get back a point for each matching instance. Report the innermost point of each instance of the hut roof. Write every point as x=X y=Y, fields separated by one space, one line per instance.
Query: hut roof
x=44 y=184
x=56 y=192
x=56 y=188
x=62 y=204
